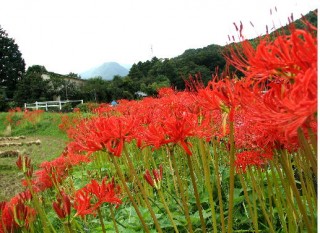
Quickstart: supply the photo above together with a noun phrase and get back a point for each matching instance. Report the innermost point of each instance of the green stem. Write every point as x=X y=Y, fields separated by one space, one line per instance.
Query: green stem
x=278 y=197
x=269 y=191
x=196 y=193
x=308 y=152
x=135 y=206
x=313 y=139
x=261 y=199
x=113 y=219
x=67 y=227
x=305 y=184
x=232 y=174
x=101 y=220
x=43 y=217
x=24 y=230
x=218 y=182
x=167 y=210
x=174 y=198
x=301 y=206
x=291 y=209
x=246 y=195
x=184 y=204
x=206 y=169
x=143 y=191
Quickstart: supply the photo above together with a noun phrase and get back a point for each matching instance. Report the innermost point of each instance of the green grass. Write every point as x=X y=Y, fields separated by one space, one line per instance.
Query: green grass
x=47 y=126
x=53 y=141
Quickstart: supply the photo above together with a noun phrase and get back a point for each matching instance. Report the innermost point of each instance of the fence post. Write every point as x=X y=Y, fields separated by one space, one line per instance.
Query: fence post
x=25 y=106
x=36 y=105
x=47 y=106
x=81 y=101
x=59 y=104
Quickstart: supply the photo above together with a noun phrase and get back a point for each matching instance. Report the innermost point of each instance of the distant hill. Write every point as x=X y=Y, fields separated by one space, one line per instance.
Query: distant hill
x=107 y=71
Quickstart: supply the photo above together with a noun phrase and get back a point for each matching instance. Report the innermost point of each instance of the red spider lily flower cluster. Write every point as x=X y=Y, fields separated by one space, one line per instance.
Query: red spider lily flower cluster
x=276 y=97
x=157 y=177
x=54 y=172
x=11 y=119
x=24 y=164
x=32 y=117
x=174 y=129
x=88 y=199
x=16 y=213
x=103 y=133
x=62 y=206
x=281 y=77
x=252 y=158
x=69 y=121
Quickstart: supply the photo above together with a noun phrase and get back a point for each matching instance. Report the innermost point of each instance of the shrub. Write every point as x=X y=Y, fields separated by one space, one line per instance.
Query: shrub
x=87 y=107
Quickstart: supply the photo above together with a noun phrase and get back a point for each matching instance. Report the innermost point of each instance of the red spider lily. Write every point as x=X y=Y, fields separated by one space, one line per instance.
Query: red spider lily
x=55 y=171
x=104 y=110
x=223 y=96
x=82 y=203
x=51 y=172
x=194 y=83
x=75 y=159
x=178 y=129
x=7 y=223
x=280 y=59
x=15 y=214
x=154 y=135
x=157 y=177
x=165 y=91
x=251 y=158
x=62 y=206
x=92 y=196
x=103 y=133
x=172 y=119
x=23 y=214
x=32 y=117
x=2 y=222
x=249 y=134
x=171 y=130
x=285 y=107
x=69 y=121
x=25 y=196
x=281 y=92
x=2 y=205
x=212 y=125
x=24 y=164
x=10 y=119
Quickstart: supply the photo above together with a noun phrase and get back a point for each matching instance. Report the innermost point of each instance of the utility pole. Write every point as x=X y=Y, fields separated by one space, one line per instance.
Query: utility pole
x=151 y=50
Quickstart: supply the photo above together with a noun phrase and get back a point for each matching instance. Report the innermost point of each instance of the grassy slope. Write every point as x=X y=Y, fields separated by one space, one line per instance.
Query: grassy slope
x=53 y=141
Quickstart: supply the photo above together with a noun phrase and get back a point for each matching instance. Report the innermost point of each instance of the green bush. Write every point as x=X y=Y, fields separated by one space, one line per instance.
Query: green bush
x=67 y=107
x=87 y=107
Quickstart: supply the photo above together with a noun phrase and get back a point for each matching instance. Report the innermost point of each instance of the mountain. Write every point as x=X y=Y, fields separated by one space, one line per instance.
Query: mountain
x=107 y=71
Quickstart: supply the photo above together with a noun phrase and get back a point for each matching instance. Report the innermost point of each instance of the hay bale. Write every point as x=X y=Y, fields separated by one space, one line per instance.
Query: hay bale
x=9 y=153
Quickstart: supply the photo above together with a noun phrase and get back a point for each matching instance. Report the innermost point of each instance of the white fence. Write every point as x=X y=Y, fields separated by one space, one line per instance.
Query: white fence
x=49 y=104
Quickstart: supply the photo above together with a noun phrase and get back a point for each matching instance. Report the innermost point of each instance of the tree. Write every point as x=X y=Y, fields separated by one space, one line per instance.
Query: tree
x=73 y=75
x=96 y=90
x=32 y=87
x=12 y=65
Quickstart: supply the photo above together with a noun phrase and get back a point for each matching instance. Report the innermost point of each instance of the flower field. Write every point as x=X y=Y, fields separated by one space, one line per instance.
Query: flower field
x=237 y=155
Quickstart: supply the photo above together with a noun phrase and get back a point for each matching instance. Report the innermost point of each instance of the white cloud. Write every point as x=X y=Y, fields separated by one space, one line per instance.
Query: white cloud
x=75 y=35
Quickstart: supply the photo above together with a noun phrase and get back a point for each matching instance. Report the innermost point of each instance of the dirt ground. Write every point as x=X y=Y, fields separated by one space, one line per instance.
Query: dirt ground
x=39 y=149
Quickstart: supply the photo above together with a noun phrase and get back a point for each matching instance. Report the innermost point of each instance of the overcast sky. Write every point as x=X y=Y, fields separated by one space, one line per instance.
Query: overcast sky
x=76 y=35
